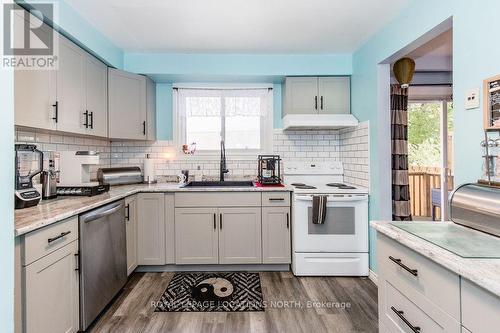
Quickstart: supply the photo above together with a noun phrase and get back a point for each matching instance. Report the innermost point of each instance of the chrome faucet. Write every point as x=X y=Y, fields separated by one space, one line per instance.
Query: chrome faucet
x=223 y=168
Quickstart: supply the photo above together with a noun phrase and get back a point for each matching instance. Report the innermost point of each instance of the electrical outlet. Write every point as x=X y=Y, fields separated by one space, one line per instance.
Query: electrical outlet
x=472 y=99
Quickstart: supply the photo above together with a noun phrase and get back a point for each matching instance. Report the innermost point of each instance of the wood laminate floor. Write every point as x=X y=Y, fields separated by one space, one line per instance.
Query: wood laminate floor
x=133 y=310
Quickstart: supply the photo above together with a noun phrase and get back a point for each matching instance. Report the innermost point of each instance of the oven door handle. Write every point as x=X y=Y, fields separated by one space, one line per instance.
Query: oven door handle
x=334 y=199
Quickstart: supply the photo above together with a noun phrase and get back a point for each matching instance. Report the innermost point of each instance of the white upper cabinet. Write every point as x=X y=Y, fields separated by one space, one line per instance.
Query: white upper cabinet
x=317 y=95
x=34 y=98
x=35 y=95
x=127 y=105
x=96 y=86
x=150 y=109
x=71 y=99
x=301 y=95
x=71 y=88
x=334 y=95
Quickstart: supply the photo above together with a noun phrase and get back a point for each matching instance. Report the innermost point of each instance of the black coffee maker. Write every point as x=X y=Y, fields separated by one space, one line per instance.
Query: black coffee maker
x=29 y=163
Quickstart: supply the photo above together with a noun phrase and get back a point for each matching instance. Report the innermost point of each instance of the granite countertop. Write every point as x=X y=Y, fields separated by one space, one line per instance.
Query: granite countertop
x=483 y=272
x=52 y=211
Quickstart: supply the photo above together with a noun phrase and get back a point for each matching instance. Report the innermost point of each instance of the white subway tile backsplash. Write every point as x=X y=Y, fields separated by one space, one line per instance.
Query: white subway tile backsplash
x=348 y=145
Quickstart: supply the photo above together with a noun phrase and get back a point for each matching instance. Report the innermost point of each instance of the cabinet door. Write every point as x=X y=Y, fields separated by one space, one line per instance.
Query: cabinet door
x=301 y=95
x=51 y=292
x=71 y=88
x=34 y=90
x=131 y=230
x=240 y=236
x=151 y=109
x=96 y=86
x=127 y=105
x=334 y=95
x=196 y=236
x=276 y=235
x=34 y=98
x=151 y=229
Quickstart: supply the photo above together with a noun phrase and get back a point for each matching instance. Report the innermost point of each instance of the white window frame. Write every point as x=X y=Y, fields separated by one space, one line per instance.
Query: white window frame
x=266 y=134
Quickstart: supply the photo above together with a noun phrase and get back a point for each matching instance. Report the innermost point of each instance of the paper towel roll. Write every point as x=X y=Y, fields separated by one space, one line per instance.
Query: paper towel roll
x=149 y=171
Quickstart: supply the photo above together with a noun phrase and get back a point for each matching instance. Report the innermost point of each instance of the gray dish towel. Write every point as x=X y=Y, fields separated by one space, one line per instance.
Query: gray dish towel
x=319 y=209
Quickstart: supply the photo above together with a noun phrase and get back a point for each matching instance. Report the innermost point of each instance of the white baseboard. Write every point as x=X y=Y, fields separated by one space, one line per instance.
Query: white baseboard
x=216 y=268
x=373 y=276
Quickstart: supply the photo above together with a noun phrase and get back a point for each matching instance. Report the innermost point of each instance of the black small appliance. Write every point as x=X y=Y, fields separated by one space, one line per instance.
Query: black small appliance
x=83 y=190
x=269 y=169
x=29 y=163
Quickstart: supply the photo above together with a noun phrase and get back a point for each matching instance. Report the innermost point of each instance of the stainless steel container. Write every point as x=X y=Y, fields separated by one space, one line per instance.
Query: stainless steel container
x=50 y=174
x=120 y=176
x=476 y=206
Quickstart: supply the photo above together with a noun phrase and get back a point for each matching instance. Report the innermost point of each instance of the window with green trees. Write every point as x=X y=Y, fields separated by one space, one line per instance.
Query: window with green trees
x=424 y=133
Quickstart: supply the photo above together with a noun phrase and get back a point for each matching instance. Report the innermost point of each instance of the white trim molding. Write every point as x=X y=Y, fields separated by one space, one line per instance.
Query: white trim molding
x=373 y=277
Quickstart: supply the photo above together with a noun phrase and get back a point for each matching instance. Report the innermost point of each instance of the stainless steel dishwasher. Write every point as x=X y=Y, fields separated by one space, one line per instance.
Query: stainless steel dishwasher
x=103 y=259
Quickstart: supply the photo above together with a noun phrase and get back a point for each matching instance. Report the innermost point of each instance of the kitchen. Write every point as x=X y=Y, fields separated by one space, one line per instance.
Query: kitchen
x=147 y=184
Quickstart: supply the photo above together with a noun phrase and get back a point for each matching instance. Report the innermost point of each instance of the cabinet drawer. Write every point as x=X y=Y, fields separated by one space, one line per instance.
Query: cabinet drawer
x=270 y=199
x=410 y=270
x=39 y=243
x=218 y=199
x=480 y=308
x=401 y=314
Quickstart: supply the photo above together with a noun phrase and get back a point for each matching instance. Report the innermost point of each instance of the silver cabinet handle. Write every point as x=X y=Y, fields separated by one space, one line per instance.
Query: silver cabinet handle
x=50 y=240
x=398 y=262
x=401 y=316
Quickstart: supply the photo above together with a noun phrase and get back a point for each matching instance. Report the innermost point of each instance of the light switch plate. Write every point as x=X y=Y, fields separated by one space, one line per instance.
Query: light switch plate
x=472 y=99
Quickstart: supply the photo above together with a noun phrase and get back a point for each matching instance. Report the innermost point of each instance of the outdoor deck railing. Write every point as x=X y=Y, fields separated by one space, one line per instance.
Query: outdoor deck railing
x=422 y=180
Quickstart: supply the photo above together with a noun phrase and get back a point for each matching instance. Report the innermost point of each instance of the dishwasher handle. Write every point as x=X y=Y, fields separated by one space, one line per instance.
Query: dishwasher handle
x=100 y=213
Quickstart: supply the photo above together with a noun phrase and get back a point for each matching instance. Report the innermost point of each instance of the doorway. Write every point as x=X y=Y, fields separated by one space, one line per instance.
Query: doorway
x=430 y=157
x=430 y=128
x=429 y=123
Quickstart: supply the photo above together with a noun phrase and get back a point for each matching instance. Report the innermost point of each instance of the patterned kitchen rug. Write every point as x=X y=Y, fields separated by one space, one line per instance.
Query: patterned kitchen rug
x=212 y=292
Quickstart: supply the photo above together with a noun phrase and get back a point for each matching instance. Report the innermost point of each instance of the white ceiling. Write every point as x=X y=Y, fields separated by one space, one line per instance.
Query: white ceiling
x=238 y=26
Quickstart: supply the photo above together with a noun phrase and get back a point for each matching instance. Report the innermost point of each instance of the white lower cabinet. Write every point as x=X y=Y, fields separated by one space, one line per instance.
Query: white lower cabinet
x=480 y=309
x=240 y=240
x=51 y=292
x=403 y=310
x=196 y=236
x=151 y=229
x=218 y=235
x=276 y=243
x=131 y=231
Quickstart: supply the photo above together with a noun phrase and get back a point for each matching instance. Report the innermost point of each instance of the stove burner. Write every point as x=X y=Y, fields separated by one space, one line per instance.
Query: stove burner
x=298 y=184
x=341 y=186
x=305 y=187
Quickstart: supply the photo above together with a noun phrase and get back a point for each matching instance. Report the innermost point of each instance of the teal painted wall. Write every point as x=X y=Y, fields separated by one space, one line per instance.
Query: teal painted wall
x=475 y=57
x=164 y=113
x=7 y=200
x=168 y=68
x=79 y=30
x=237 y=65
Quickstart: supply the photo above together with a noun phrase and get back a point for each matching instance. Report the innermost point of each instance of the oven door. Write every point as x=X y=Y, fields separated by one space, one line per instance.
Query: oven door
x=345 y=228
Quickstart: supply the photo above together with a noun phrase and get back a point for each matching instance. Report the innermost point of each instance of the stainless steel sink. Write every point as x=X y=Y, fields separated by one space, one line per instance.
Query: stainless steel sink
x=228 y=183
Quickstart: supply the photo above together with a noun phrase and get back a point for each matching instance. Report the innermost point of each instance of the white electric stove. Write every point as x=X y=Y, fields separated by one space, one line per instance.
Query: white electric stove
x=339 y=246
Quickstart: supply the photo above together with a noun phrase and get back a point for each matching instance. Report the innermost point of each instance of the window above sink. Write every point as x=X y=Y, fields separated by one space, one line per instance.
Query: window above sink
x=241 y=116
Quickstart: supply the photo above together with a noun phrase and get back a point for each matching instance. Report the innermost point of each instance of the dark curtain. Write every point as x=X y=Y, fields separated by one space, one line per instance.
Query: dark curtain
x=399 y=139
